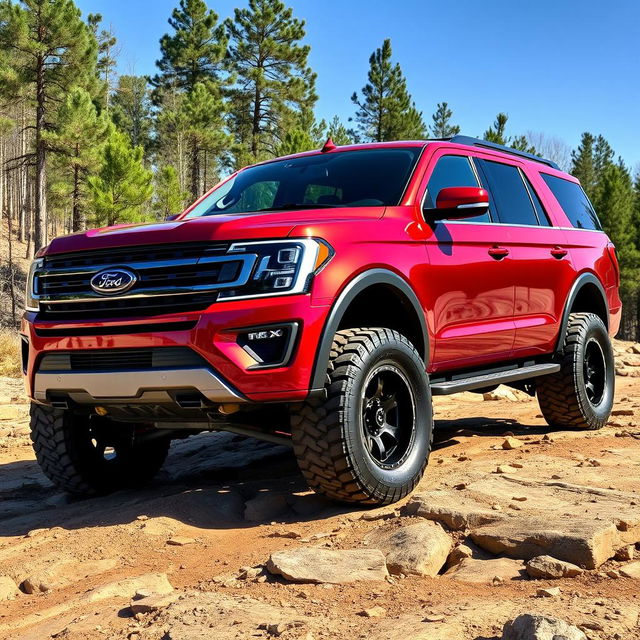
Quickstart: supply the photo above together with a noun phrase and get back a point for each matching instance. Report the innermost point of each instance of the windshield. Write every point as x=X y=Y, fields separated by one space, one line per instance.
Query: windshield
x=368 y=178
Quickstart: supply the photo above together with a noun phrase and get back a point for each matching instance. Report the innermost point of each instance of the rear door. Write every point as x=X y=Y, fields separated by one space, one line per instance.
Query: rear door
x=543 y=271
x=470 y=275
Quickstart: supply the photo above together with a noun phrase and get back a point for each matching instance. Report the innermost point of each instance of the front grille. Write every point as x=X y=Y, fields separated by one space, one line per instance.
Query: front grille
x=122 y=359
x=170 y=278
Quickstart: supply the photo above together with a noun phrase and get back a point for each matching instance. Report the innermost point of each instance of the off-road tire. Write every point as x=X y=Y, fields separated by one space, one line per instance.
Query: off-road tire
x=63 y=445
x=563 y=396
x=329 y=437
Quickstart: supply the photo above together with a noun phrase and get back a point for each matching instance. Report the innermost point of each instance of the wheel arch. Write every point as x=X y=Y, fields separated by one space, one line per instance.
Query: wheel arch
x=586 y=295
x=355 y=303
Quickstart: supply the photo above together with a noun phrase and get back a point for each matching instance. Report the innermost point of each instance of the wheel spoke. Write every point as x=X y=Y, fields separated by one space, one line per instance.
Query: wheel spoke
x=389 y=404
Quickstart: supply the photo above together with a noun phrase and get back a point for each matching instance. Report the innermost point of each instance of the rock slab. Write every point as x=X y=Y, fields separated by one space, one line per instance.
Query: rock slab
x=587 y=543
x=486 y=571
x=549 y=568
x=418 y=549
x=8 y=588
x=452 y=509
x=314 y=565
x=533 y=627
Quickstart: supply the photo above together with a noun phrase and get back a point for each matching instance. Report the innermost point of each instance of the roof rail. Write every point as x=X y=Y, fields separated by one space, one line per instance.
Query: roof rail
x=476 y=142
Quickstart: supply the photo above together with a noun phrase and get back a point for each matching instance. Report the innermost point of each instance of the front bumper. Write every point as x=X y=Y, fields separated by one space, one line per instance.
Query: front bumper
x=230 y=376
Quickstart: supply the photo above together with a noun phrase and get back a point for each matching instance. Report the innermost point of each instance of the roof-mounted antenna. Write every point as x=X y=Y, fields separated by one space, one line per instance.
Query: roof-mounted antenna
x=329 y=145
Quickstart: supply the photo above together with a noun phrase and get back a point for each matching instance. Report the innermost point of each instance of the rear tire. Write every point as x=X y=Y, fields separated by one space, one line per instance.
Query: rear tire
x=89 y=455
x=368 y=440
x=580 y=395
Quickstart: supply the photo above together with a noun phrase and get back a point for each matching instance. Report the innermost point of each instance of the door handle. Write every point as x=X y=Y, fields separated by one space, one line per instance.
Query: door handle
x=558 y=252
x=497 y=253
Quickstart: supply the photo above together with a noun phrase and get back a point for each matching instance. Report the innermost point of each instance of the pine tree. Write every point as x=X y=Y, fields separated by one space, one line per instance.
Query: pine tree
x=131 y=110
x=168 y=199
x=615 y=205
x=195 y=51
x=441 y=127
x=122 y=184
x=496 y=133
x=386 y=110
x=273 y=81
x=54 y=50
x=337 y=132
x=521 y=143
x=107 y=52
x=582 y=164
x=76 y=142
x=204 y=114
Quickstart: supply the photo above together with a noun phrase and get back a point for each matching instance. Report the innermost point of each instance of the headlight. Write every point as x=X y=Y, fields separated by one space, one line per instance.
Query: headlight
x=281 y=267
x=30 y=301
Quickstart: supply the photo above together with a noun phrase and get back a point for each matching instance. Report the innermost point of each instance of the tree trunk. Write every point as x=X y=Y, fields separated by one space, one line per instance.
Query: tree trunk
x=77 y=218
x=255 y=130
x=195 y=171
x=40 y=221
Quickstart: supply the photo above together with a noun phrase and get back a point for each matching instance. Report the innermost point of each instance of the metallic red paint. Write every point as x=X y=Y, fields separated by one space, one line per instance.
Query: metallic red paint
x=489 y=292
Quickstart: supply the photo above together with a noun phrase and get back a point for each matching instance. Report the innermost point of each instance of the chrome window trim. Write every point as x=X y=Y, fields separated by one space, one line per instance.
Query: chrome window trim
x=524 y=226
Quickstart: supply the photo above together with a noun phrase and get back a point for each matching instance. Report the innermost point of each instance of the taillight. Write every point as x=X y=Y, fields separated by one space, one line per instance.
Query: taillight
x=611 y=250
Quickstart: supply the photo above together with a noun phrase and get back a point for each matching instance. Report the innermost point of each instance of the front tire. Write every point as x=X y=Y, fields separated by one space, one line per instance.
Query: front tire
x=580 y=395
x=368 y=440
x=89 y=455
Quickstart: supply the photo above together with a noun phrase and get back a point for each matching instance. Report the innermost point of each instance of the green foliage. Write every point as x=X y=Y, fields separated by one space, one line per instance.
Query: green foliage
x=295 y=141
x=131 y=109
x=76 y=142
x=273 y=82
x=496 y=132
x=441 y=127
x=122 y=184
x=106 y=66
x=203 y=115
x=168 y=199
x=195 y=51
x=582 y=165
x=615 y=205
x=48 y=36
x=386 y=110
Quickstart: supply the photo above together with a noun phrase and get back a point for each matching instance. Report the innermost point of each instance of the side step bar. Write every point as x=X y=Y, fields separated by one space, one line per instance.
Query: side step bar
x=490 y=379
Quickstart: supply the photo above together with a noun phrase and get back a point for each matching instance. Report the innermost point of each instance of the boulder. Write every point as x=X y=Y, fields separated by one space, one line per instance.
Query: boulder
x=486 y=571
x=587 y=543
x=466 y=549
x=317 y=565
x=418 y=549
x=62 y=574
x=154 y=583
x=631 y=570
x=534 y=627
x=549 y=568
x=451 y=508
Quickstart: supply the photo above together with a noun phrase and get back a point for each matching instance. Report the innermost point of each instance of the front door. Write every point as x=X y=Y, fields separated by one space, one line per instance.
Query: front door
x=471 y=275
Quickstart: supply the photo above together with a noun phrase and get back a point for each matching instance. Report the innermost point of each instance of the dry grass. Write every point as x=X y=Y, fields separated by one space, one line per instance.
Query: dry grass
x=10 y=354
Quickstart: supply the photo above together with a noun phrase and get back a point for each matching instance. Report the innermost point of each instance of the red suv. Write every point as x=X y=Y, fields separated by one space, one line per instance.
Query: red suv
x=320 y=300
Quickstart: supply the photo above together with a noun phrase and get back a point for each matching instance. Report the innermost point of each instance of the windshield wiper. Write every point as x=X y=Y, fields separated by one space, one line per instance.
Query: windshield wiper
x=299 y=205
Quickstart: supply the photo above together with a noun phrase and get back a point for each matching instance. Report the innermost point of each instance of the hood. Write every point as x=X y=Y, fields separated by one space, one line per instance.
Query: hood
x=220 y=228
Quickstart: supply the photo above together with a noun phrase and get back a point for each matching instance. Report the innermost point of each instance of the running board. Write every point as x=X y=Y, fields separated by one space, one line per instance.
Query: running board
x=490 y=379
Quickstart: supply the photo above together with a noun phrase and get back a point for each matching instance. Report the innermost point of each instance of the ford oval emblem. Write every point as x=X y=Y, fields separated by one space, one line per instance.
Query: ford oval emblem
x=113 y=281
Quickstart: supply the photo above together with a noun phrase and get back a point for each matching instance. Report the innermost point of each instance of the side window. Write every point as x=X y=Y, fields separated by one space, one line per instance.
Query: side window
x=510 y=198
x=574 y=202
x=543 y=218
x=452 y=171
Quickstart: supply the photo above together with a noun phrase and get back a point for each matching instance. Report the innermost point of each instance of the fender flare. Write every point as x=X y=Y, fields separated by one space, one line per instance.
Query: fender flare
x=582 y=280
x=355 y=286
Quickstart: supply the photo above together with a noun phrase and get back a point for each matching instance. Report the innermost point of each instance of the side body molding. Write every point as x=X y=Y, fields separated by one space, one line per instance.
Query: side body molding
x=582 y=280
x=340 y=306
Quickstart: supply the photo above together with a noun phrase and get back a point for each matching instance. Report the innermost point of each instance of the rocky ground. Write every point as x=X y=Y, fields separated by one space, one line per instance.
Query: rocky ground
x=513 y=526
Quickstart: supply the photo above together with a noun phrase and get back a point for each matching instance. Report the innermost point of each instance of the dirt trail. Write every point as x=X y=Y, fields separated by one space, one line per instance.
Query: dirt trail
x=223 y=502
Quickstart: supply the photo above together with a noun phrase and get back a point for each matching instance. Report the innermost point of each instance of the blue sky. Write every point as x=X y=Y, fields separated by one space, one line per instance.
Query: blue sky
x=556 y=66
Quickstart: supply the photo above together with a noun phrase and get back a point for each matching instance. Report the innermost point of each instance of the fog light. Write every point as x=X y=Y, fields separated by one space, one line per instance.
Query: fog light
x=269 y=346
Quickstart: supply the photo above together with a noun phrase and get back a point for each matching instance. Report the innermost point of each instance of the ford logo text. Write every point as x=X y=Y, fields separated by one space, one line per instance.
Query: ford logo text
x=113 y=281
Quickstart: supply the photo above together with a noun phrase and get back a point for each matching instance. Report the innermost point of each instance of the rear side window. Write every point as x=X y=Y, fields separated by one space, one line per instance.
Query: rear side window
x=543 y=218
x=510 y=198
x=574 y=202
x=452 y=171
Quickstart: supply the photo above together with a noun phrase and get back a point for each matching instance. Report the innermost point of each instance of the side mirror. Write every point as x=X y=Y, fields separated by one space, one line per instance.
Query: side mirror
x=172 y=217
x=460 y=202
